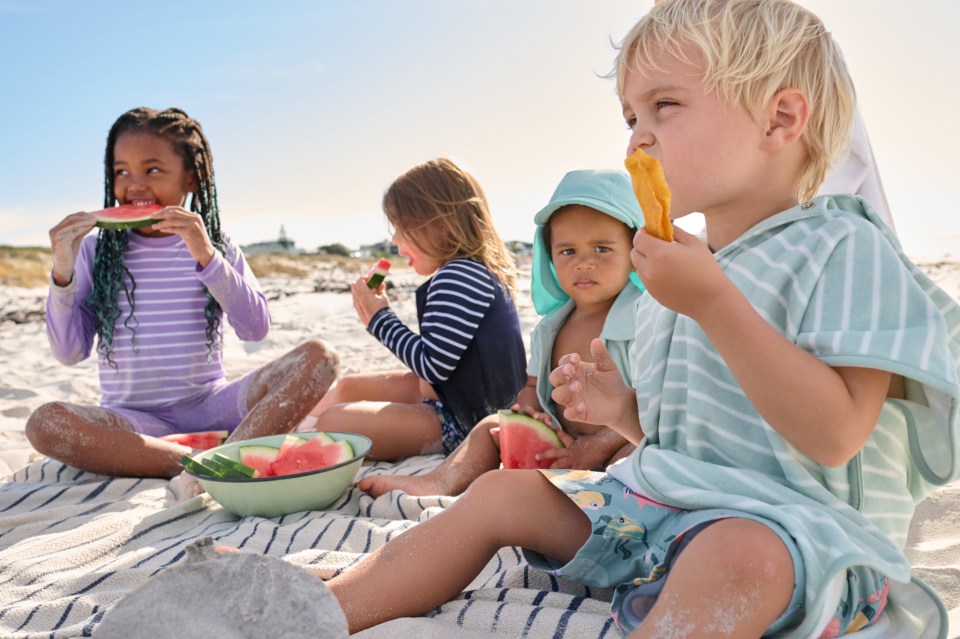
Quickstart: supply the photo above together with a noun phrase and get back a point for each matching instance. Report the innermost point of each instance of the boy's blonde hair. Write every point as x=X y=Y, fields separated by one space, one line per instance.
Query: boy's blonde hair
x=442 y=210
x=749 y=50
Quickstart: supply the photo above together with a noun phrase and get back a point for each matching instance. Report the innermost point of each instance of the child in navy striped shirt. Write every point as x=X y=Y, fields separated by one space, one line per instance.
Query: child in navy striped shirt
x=468 y=359
x=155 y=298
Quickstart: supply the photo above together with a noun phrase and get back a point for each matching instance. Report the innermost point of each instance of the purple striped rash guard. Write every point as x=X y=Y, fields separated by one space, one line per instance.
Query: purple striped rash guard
x=164 y=358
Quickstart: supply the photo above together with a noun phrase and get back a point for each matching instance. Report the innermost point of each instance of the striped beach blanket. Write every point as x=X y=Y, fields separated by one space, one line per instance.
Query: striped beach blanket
x=72 y=544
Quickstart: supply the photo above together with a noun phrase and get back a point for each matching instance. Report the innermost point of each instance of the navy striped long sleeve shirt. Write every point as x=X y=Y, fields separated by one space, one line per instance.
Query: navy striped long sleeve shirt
x=469 y=336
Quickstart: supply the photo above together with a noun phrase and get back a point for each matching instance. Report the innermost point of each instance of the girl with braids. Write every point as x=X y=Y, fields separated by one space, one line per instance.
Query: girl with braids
x=155 y=299
x=468 y=359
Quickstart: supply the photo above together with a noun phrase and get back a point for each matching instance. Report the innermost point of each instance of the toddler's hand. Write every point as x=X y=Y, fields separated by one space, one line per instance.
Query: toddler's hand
x=65 y=239
x=592 y=393
x=368 y=302
x=683 y=275
x=533 y=412
x=189 y=226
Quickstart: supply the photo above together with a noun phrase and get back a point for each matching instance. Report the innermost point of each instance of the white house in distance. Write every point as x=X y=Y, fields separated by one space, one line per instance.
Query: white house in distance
x=283 y=244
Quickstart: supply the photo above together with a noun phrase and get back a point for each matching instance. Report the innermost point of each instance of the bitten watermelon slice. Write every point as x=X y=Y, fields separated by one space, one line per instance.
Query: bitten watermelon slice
x=522 y=438
x=202 y=440
x=312 y=455
x=377 y=273
x=126 y=216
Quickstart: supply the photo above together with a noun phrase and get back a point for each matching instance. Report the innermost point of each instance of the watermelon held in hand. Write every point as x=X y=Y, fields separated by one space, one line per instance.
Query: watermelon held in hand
x=126 y=216
x=522 y=438
x=377 y=273
x=203 y=440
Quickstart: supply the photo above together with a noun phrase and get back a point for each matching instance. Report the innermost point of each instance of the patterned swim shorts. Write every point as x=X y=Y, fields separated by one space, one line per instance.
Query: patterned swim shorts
x=451 y=432
x=635 y=540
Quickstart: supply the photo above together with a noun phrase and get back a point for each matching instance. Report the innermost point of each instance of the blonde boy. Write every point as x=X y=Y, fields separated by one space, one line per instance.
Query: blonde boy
x=796 y=384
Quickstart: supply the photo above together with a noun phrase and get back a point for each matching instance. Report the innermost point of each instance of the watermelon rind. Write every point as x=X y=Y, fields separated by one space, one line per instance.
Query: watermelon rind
x=195 y=467
x=326 y=439
x=378 y=272
x=234 y=465
x=213 y=467
x=542 y=429
x=106 y=218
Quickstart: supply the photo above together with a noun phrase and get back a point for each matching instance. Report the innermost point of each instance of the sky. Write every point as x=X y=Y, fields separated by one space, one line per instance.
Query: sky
x=313 y=107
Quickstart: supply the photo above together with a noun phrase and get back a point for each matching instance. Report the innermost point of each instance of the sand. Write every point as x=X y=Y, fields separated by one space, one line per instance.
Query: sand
x=29 y=377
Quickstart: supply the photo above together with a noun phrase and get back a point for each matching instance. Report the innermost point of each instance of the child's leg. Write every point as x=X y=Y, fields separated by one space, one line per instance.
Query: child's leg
x=389 y=386
x=733 y=580
x=396 y=430
x=433 y=561
x=100 y=441
x=475 y=456
x=283 y=391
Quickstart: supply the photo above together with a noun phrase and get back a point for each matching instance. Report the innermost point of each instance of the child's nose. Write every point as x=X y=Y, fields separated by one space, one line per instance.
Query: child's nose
x=639 y=139
x=586 y=261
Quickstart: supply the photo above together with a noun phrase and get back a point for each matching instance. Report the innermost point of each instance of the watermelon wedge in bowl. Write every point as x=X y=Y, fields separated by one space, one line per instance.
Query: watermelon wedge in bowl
x=126 y=217
x=315 y=470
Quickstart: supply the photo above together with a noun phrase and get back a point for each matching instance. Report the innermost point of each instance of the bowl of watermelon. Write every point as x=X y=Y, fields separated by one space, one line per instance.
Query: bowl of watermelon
x=279 y=474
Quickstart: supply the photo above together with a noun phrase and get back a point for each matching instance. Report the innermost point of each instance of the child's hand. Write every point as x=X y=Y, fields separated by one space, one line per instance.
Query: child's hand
x=189 y=226
x=65 y=239
x=586 y=452
x=592 y=393
x=366 y=301
x=682 y=275
x=533 y=412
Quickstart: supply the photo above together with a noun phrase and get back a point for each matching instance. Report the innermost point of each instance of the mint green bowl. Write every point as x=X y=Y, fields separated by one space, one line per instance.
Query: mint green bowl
x=275 y=496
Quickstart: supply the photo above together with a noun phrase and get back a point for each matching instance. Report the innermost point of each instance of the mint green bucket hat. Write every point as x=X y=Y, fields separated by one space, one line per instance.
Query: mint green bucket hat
x=608 y=192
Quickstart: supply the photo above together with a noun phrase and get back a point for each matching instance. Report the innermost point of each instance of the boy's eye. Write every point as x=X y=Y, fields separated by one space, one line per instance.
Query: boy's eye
x=567 y=251
x=602 y=249
x=662 y=104
x=631 y=122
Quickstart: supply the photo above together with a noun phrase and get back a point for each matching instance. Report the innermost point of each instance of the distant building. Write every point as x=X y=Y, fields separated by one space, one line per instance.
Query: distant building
x=283 y=244
x=385 y=248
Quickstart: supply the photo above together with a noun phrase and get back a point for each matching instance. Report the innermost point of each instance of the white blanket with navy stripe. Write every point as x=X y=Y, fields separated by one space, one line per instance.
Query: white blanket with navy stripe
x=73 y=543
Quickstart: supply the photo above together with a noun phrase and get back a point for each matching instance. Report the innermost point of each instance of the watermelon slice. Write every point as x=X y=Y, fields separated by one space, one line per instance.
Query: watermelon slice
x=234 y=467
x=522 y=438
x=203 y=440
x=258 y=458
x=126 y=216
x=312 y=455
x=377 y=273
x=195 y=467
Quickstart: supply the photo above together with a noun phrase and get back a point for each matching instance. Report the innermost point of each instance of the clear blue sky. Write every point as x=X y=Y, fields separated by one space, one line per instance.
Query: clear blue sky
x=313 y=107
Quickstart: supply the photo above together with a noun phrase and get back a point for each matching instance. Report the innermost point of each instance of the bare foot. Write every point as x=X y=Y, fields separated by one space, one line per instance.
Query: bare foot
x=181 y=488
x=421 y=485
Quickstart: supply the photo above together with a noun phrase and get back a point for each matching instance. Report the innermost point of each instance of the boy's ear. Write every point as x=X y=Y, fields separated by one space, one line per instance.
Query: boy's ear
x=787 y=116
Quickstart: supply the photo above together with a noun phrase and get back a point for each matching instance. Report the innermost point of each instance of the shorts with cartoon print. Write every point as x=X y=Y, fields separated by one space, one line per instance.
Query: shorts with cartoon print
x=635 y=540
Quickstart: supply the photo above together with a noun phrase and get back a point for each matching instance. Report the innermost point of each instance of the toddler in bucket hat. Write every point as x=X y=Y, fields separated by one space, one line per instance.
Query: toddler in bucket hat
x=608 y=192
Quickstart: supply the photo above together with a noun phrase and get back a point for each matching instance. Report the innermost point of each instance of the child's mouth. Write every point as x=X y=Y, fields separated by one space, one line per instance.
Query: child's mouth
x=141 y=202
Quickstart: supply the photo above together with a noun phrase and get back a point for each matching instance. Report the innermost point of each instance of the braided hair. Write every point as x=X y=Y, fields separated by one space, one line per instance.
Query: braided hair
x=189 y=142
